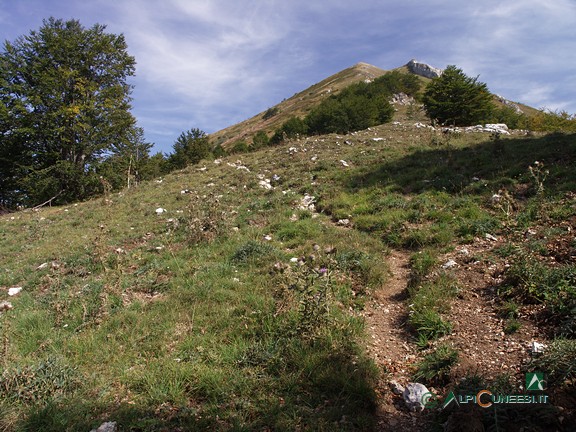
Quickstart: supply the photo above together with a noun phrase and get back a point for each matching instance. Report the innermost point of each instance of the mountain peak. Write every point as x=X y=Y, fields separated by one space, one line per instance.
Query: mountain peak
x=423 y=69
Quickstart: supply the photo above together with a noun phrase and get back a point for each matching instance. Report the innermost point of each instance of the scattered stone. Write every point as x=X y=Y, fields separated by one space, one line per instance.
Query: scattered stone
x=5 y=305
x=42 y=266
x=265 y=184
x=414 y=395
x=377 y=139
x=328 y=250
x=106 y=427
x=401 y=99
x=344 y=163
x=307 y=203
x=538 y=348
x=396 y=388
x=268 y=237
x=14 y=291
x=343 y=222
x=160 y=210
x=185 y=191
x=449 y=264
x=491 y=237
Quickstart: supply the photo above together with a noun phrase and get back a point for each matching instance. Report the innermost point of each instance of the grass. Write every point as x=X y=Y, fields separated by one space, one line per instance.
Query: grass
x=435 y=367
x=238 y=310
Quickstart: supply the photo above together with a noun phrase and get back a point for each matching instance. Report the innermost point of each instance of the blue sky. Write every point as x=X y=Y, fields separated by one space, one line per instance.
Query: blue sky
x=209 y=64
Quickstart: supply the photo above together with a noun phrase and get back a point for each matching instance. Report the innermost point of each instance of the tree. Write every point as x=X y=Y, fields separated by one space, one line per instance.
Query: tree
x=260 y=140
x=65 y=102
x=130 y=162
x=458 y=100
x=290 y=129
x=190 y=148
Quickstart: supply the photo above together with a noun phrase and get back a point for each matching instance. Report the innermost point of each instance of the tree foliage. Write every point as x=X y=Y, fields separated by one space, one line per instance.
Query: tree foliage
x=457 y=100
x=357 y=107
x=65 y=104
x=292 y=128
x=190 y=148
x=130 y=162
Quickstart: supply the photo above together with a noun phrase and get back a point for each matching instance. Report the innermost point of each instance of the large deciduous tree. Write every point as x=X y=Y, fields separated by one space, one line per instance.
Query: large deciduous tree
x=65 y=104
x=456 y=99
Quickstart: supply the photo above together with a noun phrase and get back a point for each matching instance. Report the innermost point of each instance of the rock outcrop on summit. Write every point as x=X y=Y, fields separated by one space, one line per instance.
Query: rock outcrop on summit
x=423 y=69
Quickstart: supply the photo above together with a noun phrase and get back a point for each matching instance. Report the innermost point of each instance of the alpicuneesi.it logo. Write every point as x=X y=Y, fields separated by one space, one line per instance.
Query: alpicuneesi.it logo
x=485 y=398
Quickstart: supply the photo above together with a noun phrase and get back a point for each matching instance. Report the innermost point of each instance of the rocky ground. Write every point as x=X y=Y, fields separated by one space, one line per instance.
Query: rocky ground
x=479 y=335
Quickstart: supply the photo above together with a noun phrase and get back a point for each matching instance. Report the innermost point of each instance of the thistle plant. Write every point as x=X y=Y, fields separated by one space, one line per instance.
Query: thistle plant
x=538 y=175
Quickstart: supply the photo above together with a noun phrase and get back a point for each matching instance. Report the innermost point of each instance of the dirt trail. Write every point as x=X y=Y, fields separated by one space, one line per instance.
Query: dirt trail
x=390 y=346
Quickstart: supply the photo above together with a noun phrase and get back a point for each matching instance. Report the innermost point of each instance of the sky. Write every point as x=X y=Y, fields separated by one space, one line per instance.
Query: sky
x=209 y=64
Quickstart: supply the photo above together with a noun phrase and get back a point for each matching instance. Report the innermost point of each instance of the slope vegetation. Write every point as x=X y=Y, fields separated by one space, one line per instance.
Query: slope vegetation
x=284 y=288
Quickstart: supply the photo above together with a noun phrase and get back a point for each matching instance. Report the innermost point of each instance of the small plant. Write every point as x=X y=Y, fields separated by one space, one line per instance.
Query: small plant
x=41 y=381
x=509 y=309
x=538 y=175
x=428 y=325
x=314 y=286
x=421 y=264
x=435 y=367
x=512 y=326
x=558 y=361
x=251 y=251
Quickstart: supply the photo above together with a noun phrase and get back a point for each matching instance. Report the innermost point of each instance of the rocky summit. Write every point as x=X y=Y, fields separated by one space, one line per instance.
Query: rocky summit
x=423 y=69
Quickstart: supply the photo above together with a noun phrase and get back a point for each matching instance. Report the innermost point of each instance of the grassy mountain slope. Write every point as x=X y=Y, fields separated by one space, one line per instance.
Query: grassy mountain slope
x=235 y=294
x=297 y=105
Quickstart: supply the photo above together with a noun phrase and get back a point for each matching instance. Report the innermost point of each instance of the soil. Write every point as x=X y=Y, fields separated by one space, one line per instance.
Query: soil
x=485 y=345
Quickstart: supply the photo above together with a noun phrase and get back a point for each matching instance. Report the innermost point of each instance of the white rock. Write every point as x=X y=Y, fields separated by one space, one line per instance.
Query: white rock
x=377 y=139
x=423 y=69
x=42 y=266
x=5 y=305
x=344 y=163
x=413 y=396
x=343 y=222
x=160 y=210
x=14 y=291
x=491 y=237
x=106 y=427
x=265 y=184
x=449 y=264
x=538 y=348
x=268 y=237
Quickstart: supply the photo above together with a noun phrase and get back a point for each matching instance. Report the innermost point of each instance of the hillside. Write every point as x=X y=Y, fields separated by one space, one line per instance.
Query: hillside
x=298 y=287
x=297 y=105
x=301 y=103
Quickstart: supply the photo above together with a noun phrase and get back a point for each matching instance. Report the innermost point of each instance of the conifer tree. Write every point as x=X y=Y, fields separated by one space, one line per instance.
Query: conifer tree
x=455 y=99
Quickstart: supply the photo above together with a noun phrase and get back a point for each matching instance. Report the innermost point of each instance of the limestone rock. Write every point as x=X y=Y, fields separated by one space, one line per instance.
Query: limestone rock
x=106 y=427
x=423 y=69
x=414 y=396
